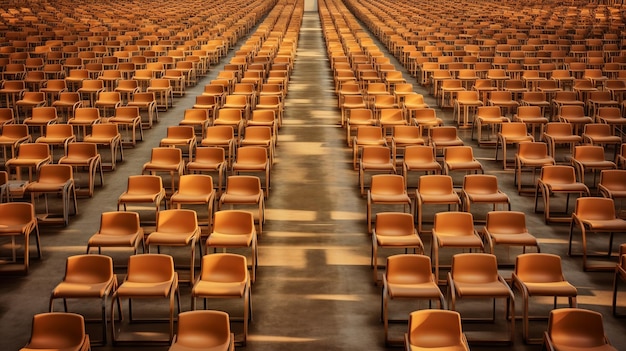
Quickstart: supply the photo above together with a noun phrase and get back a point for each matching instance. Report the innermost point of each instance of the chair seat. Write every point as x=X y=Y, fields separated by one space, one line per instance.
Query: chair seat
x=606 y=225
x=398 y=240
x=411 y=166
x=211 y=288
x=240 y=198
x=440 y=198
x=37 y=187
x=189 y=198
x=536 y=162
x=607 y=139
x=382 y=198
x=418 y=290
x=566 y=139
x=159 y=289
x=575 y=187
x=113 y=240
x=13 y=229
x=525 y=239
x=411 y=141
x=459 y=241
x=229 y=240
x=464 y=165
x=490 y=289
x=490 y=198
x=599 y=164
x=249 y=166
x=378 y=166
x=561 y=288
x=138 y=197
x=70 y=290
x=170 y=239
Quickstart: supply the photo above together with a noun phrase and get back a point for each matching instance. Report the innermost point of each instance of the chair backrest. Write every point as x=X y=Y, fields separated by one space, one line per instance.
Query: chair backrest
x=613 y=179
x=458 y=154
x=454 y=223
x=47 y=113
x=178 y=221
x=506 y=222
x=539 y=268
x=424 y=153
x=55 y=174
x=17 y=213
x=558 y=174
x=180 y=132
x=59 y=130
x=513 y=129
x=252 y=154
x=144 y=184
x=167 y=155
x=559 y=129
x=88 y=269
x=479 y=268
x=233 y=222
x=16 y=131
x=480 y=184
x=376 y=154
x=588 y=153
x=597 y=129
x=534 y=149
x=489 y=112
x=394 y=223
x=203 y=329
x=443 y=133
x=408 y=269
x=230 y=114
x=127 y=112
x=195 y=184
x=387 y=184
x=576 y=327
x=224 y=268
x=87 y=114
x=195 y=115
x=57 y=330
x=119 y=223
x=435 y=329
x=572 y=111
x=150 y=268
x=33 y=150
x=435 y=184
x=595 y=208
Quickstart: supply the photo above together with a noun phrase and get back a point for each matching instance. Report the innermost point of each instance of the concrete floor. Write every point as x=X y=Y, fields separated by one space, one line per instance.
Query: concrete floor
x=314 y=287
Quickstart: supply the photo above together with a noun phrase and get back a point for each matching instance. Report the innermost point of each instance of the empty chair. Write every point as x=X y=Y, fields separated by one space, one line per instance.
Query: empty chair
x=508 y=228
x=146 y=101
x=590 y=157
x=57 y=135
x=253 y=159
x=539 y=274
x=532 y=117
x=595 y=215
x=365 y=136
x=419 y=158
x=602 y=135
x=143 y=189
x=201 y=330
x=165 y=159
x=483 y=189
x=224 y=276
x=408 y=277
x=234 y=229
x=182 y=137
x=57 y=179
x=443 y=137
x=560 y=133
x=150 y=276
x=58 y=331
x=198 y=119
x=434 y=190
x=433 y=329
x=475 y=275
x=41 y=118
x=394 y=230
x=574 y=115
x=84 y=156
x=83 y=119
x=386 y=189
x=129 y=118
x=375 y=159
x=466 y=101
x=244 y=190
x=460 y=158
x=118 y=229
x=11 y=137
x=177 y=228
x=87 y=277
x=489 y=116
x=17 y=219
x=107 y=134
x=31 y=156
x=530 y=156
x=195 y=189
x=575 y=328
x=511 y=133
x=554 y=180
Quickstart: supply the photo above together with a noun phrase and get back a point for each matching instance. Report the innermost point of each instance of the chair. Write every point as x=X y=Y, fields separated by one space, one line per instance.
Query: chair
x=601 y=134
x=244 y=190
x=234 y=229
x=202 y=330
x=129 y=118
x=177 y=228
x=375 y=159
x=197 y=119
x=57 y=134
x=508 y=228
x=195 y=189
x=482 y=189
x=127 y=89
x=407 y=277
x=536 y=98
x=386 y=189
x=574 y=115
x=83 y=118
x=443 y=137
x=12 y=136
x=419 y=158
x=265 y=118
x=84 y=155
x=599 y=99
x=533 y=118
x=165 y=159
x=224 y=276
x=107 y=134
x=466 y=100
x=143 y=189
x=13 y=90
x=118 y=229
x=41 y=118
x=259 y=136
x=554 y=180
x=163 y=92
x=612 y=184
x=435 y=329
x=87 y=277
x=31 y=156
x=504 y=99
x=475 y=275
x=590 y=157
x=491 y=116
x=183 y=136
x=150 y=276
x=533 y=156
x=253 y=159
x=89 y=90
x=59 y=180
x=511 y=133
x=595 y=215
x=146 y=101
x=366 y=136
x=538 y=274
x=394 y=230
x=460 y=158
x=58 y=331
x=560 y=133
x=456 y=230
x=575 y=328
x=18 y=219
x=231 y=117
x=53 y=89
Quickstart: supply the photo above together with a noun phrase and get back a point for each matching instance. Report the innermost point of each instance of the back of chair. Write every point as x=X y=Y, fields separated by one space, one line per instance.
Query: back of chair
x=435 y=329
x=119 y=223
x=88 y=269
x=435 y=184
x=180 y=221
x=150 y=268
x=57 y=330
x=55 y=174
x=224 y=268
x=203 y=329
x=576 y=327
x=476 y=268
x=409 y=269
x=506 y=222
x=595 y=208
x=539 y=268
x=480 y=184
x=454 y=223
x=387 y=184
x=233 y=222
x=394 y=223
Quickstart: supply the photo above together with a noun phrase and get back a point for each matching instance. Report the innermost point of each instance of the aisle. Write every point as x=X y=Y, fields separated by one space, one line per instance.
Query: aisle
x=313 y=289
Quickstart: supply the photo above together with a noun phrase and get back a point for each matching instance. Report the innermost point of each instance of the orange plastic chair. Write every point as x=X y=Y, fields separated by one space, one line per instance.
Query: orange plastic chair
x=575 y=328
x=435 y=329
x=554 y=180
x=58 y=331
x=107 y=134
x=57 y=179
x=18 y=219
x=84 y=155
x=198 y=330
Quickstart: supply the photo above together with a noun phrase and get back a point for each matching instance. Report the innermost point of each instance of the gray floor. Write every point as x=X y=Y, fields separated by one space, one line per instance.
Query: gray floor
x=314 y=287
